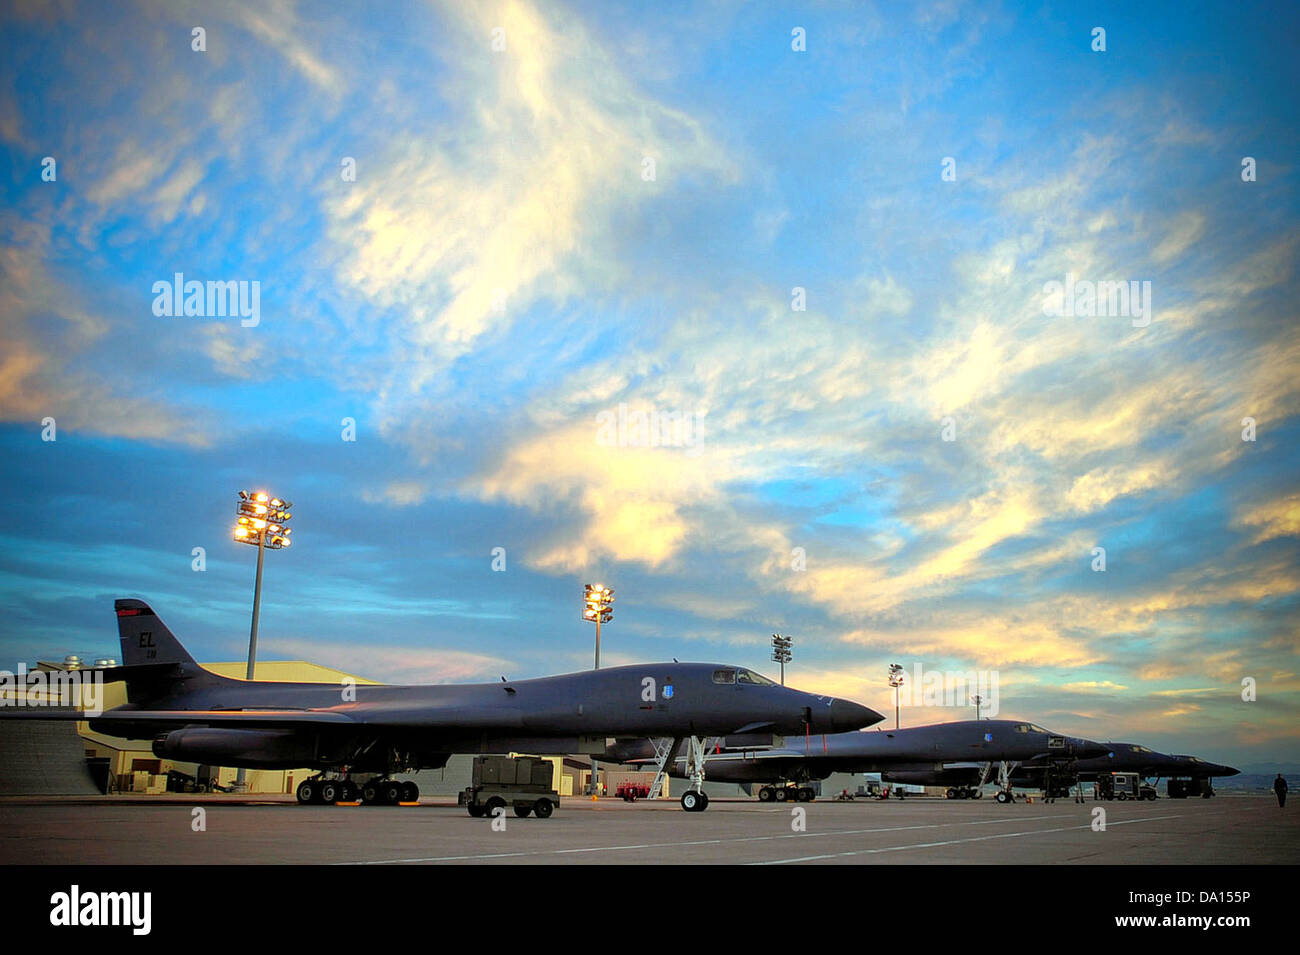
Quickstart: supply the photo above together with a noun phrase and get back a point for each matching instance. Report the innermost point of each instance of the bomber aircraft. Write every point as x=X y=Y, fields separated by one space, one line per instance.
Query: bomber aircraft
x=925 y=748
x=195 y=715
x=964 y=779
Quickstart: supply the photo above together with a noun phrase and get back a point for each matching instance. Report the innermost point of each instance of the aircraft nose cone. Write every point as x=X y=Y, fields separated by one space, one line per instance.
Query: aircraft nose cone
x=1229 y=771
x=847 y=716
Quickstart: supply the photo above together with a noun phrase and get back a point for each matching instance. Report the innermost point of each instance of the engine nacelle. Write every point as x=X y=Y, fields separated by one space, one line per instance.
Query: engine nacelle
x=253 y=748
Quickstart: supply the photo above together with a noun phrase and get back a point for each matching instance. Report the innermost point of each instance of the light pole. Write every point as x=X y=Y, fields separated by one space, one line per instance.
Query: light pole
x=781 y=652
x=977 y=700
x=260 y=522
x=598 y=608
x=896 y=681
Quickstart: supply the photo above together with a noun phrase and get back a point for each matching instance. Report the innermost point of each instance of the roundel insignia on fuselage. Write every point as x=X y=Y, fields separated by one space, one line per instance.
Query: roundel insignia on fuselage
x=988 y=737
x=668 y=691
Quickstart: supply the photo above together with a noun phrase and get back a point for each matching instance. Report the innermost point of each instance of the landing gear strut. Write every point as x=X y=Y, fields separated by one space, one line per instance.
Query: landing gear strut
x=696 y=799
x=1005 y=795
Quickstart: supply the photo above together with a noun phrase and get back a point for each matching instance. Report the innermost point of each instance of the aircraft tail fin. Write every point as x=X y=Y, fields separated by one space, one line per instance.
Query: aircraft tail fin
x=145 y=638
x=152 y=650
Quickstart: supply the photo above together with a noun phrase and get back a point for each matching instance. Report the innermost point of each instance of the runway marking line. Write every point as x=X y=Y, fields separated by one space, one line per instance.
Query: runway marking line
x=791 y=835
x=954 y=842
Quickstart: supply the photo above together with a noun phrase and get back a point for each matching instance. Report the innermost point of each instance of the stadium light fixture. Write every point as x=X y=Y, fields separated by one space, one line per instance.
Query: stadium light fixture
x=782 y=652
x=597 y=608
x=260 y=521
x=896 y=681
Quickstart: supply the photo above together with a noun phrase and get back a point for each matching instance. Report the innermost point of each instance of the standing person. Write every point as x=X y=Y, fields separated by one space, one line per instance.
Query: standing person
x=1279 y=788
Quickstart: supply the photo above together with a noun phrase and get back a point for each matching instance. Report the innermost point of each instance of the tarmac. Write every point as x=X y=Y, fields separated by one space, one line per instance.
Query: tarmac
x=130 y=830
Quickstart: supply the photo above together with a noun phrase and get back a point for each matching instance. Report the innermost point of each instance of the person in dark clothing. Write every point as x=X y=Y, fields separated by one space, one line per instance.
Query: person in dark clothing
x=1279 y=788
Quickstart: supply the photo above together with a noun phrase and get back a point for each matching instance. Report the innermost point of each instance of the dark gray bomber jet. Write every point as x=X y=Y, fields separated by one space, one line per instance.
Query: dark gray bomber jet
x=195 y=715
x=924 y=748
x=1119 y=758
x=1196 y=768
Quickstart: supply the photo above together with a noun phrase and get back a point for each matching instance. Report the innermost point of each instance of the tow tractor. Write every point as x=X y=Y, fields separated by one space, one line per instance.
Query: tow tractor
x=523 y=782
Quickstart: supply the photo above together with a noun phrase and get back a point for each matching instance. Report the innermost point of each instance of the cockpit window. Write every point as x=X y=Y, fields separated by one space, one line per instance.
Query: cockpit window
x=1022 y=728
x=724 y=676
x=1035 y=728
x=1140 y=749
x=752 y=678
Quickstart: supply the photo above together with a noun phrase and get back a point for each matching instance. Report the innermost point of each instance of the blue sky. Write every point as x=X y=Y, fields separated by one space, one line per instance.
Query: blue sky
x=504 y=269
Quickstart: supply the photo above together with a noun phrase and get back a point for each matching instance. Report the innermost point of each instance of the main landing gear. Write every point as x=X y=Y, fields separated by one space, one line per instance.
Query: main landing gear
x=324 y=791
x=787 y=794
x=965 y=792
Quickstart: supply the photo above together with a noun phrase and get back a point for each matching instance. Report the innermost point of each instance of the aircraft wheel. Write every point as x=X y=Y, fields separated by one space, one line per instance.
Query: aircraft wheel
x=543 y=808
x=951 y=793
x=523 y=811
x=977 y=794
x=349 y=793
x=1003 y=797
x=329 y=792
x=781 y=794
x=410 y=792
x=370 y=794
x=390 y=792
x=766 y=794
x=306 y=792
x=691 y=801
x=806 y=795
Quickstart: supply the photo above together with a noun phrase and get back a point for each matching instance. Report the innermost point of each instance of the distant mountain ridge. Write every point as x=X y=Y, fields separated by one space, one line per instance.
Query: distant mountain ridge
x=1258 y=782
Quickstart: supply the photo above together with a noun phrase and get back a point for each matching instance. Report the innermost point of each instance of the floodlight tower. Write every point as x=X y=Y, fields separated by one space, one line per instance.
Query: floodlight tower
x=597 y=608
x=896 y=681
x=260 y=520
x=782 y=652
